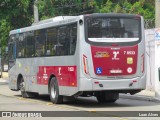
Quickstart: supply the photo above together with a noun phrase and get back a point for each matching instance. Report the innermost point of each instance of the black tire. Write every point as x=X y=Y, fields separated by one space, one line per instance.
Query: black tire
x=103 y=97
x=54 y=92
x=111 y=101
x=24 y=93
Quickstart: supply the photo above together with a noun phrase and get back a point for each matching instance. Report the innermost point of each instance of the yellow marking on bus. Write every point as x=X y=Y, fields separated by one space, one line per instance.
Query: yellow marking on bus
x=129 y=60
x=19 y=65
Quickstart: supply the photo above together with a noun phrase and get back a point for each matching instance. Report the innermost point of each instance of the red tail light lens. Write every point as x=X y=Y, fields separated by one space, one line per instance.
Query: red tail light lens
x=85 y=64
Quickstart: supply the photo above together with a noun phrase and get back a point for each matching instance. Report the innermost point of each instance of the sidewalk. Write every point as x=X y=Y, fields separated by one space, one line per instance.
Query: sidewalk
x=145 y=95
x=4 y=79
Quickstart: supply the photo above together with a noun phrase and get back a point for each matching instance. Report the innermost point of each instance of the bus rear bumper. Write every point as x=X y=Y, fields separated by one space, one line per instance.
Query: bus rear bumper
x=138 y=83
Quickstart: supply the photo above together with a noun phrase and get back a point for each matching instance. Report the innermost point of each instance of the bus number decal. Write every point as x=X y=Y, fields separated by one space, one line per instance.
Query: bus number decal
x=129 y=52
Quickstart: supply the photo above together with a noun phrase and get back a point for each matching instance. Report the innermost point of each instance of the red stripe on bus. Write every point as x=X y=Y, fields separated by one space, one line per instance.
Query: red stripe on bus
x=66 y=75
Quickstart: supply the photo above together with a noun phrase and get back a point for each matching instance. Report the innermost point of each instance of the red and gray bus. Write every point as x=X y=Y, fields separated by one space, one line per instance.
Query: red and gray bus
x=97 y=54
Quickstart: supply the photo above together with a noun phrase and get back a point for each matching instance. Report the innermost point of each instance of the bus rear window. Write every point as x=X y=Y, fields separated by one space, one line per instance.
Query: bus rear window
x=113 y=28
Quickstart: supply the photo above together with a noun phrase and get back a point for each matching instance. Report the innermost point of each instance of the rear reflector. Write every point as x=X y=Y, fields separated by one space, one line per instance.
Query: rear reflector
x=134 y=81
x=96 y=82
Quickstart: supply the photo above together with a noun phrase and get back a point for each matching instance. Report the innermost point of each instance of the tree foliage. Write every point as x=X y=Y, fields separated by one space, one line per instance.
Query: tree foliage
x=51 y=8
x=14 y=14
x=141 y=7
x=18 y=13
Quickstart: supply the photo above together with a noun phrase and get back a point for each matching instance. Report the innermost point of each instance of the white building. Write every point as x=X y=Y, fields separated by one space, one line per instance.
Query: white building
x=152 y=37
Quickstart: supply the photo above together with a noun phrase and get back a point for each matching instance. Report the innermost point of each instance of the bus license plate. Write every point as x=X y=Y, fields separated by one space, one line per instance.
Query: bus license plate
x=115 y=71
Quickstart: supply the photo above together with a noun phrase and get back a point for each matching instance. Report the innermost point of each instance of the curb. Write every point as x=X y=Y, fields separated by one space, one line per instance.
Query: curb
x=3 y=81
x=140 y=97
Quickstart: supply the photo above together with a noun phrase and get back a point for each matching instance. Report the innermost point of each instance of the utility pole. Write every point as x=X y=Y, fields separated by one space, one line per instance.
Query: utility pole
x=157 y=13
x=36 y=16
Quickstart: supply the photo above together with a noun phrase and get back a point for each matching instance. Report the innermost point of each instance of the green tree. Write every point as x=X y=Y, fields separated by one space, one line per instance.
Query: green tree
x=51 y=8
x=18 y=13
x=127 y=6
x=14 y=14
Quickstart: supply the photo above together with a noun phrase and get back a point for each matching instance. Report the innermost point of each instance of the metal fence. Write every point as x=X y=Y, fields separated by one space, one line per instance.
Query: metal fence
x=149 y=23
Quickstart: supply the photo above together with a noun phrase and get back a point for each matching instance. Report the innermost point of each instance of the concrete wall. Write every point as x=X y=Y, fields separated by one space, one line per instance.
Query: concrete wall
x=150 y=57
x=152 y=40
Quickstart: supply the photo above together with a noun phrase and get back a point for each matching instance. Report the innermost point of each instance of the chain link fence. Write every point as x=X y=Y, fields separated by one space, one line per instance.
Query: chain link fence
x=149 y=23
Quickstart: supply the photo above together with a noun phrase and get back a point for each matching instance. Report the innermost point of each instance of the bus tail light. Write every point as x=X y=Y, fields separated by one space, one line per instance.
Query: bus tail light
x=142 y=63
x=85 y=64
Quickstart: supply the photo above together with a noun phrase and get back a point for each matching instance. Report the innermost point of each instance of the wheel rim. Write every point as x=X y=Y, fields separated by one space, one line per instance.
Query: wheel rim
x=53 y=90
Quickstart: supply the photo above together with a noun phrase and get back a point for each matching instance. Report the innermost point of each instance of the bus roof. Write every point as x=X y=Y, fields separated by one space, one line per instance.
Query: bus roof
x=55 y=19
x=59 y=20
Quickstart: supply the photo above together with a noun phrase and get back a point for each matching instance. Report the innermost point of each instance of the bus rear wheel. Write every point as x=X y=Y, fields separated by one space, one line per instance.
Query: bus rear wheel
x=54 y=92
x=104 y=97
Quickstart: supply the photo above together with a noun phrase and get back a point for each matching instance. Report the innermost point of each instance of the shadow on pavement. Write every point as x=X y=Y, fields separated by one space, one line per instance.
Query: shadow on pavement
x=91 y=102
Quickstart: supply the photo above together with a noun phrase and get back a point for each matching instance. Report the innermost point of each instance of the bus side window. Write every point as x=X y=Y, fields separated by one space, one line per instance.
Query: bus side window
x=73 y=38
x=40 y=38
x=67 y=41
x=12 y=51
x=51 y=41
x=62 y=41
x=30 y=45
x=20 y=45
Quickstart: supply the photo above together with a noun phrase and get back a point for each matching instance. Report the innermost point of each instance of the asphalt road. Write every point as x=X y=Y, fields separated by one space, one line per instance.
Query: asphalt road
x=89 y=107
